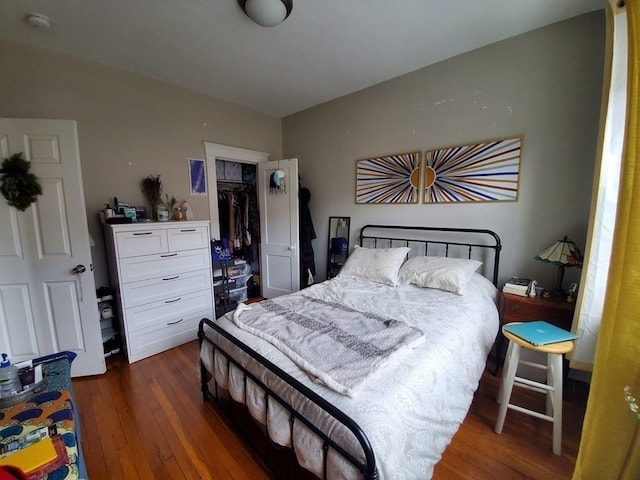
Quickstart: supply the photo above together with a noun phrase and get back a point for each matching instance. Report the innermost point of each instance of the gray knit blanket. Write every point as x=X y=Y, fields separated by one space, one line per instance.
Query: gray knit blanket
x=334 y=344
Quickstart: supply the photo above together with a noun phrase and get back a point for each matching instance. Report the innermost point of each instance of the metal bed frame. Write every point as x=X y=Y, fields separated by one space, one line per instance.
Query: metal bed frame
x=396 y=236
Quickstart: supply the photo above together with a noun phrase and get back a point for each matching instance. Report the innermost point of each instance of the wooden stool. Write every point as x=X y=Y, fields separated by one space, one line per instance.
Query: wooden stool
x=552 y=389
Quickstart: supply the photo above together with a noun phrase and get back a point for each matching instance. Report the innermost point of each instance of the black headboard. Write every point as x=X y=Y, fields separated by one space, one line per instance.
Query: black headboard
x=474 y=243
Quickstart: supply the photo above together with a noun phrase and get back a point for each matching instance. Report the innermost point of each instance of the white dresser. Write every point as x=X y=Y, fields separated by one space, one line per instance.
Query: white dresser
x=161 y=273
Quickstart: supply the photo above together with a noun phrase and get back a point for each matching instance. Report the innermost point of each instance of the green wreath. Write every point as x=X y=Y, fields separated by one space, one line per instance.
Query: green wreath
x=18 y=186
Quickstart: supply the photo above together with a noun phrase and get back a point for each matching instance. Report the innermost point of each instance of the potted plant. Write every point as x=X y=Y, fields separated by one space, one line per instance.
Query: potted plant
x=175 y=212
x=152 y=189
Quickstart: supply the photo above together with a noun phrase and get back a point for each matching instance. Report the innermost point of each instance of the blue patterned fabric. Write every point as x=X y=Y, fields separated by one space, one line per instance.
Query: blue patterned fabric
x=52 y=406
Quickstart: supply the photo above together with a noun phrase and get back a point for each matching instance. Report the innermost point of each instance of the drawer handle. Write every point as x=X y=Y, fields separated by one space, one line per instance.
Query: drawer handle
x=142 y=233
x=168 y=255
x=515 y=308
x=171 y=278
x=174 y=300
x=188 y=230
x=176 y=322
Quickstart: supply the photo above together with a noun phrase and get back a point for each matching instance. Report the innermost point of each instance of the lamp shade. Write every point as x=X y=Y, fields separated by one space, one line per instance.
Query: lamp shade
x=267 y=13
x=563 y=253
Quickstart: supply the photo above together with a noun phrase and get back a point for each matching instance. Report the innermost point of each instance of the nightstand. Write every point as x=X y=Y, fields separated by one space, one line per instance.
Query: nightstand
x=555 y=310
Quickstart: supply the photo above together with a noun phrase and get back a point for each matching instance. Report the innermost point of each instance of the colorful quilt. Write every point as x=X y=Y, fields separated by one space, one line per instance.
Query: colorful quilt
x=52 y=406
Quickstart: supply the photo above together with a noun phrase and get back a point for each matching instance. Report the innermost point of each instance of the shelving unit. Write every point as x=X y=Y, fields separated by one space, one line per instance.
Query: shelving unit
x=229 y=284
x=221 y=288
x=108 y=323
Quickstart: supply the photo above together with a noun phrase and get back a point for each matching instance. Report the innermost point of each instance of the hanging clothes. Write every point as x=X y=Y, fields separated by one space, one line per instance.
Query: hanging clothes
x=240 y=222
x=223 y=217
x=307 y=234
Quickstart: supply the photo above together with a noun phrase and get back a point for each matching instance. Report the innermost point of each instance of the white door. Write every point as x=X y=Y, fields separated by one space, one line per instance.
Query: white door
x=279 y=256
x=44 y=306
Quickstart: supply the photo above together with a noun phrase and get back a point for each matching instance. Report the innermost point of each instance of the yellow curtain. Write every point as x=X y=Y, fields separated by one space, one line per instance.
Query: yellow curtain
x=610 y=442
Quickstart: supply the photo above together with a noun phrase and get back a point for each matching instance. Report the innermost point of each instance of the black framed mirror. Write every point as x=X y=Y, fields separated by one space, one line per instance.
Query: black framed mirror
x=338 y=248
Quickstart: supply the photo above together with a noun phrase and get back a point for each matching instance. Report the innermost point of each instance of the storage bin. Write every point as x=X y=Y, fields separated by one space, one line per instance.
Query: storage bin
x=238 y=294
x=239 y=270
x=239 y=282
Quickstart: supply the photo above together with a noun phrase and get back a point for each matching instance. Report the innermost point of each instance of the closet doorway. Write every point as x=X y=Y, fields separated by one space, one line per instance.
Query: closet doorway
x=279 y=264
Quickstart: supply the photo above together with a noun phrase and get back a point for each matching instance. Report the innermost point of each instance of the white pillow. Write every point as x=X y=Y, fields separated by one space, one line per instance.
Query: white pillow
x=450 y=274
x=376 y=264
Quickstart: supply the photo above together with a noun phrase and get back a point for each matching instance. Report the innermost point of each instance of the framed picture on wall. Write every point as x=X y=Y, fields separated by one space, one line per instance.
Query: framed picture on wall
x=392 y=179
x=480 y=172
x=197 y=177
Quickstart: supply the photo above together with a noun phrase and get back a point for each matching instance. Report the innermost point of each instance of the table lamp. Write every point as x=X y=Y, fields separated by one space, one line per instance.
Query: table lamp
x=563 y=253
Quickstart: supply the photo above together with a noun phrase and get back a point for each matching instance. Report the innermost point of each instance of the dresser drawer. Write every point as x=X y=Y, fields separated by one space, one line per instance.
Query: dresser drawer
x=163 y=288
x=150 y=341
x=522 y=309
x=188 y=238
x=164 y=265
x=141 y=242
x=169 y=311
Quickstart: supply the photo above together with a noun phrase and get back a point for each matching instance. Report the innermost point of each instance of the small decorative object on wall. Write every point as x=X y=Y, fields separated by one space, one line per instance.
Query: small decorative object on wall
x=388 y=179
x=483 y=172
x=18 y=186
x=197 y=177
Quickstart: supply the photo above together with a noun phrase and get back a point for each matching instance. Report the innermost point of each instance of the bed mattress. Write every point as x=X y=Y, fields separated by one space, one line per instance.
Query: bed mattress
x=410 y=409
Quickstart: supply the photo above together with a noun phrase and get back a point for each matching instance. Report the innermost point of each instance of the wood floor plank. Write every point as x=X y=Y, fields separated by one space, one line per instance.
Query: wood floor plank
x=178 y=384
x=142 y=435
x=147 y=420
x=181 y=445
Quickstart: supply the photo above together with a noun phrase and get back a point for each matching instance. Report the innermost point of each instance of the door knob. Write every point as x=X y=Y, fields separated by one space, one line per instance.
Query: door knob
x=77 y=270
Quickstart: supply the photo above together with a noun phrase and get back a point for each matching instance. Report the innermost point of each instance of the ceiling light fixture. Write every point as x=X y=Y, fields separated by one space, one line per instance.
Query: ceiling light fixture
x=267 y=13
x=38 y=20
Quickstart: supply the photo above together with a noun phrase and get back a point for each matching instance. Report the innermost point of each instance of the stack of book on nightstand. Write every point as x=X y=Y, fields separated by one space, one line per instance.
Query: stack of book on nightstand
x=517 y=286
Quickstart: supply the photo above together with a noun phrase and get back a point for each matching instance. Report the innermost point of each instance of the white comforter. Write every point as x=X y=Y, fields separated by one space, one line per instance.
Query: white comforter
x=410 y=409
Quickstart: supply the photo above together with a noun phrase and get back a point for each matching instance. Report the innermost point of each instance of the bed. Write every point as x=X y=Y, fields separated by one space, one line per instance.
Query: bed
x=423 y=307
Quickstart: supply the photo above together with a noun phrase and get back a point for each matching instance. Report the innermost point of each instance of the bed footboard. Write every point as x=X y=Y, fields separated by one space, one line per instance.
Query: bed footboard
x=366 y=468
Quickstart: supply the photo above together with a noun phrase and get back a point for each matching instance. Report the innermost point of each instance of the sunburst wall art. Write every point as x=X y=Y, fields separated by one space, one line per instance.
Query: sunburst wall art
x=389 y=179
x=484 y=172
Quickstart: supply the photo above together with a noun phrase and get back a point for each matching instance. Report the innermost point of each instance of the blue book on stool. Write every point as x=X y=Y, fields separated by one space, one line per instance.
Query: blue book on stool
x=539 y=332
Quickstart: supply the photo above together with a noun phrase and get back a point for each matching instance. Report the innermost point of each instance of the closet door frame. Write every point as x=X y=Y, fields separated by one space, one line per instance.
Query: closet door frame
x=217 y=151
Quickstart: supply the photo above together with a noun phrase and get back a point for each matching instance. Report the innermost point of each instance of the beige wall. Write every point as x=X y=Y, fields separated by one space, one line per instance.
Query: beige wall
x=544 y=85
x=129 y=126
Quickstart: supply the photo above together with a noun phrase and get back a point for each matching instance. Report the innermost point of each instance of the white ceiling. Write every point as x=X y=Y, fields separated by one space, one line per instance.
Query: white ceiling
x=325 y=49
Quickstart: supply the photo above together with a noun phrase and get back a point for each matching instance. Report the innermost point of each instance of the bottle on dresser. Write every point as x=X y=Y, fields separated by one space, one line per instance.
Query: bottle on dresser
x=9 y=379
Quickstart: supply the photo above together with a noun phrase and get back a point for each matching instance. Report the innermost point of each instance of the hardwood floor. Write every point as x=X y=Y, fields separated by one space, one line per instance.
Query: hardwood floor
x=148 y=421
